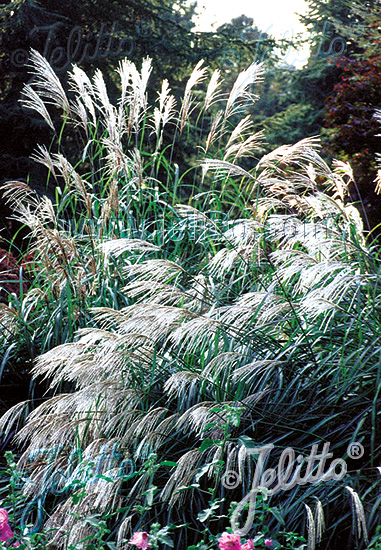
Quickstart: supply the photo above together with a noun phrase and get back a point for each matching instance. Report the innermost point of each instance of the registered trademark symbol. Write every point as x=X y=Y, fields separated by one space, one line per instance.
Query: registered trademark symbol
x=355 y=450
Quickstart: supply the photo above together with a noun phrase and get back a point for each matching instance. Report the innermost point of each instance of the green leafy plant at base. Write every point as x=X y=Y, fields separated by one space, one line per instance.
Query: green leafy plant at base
x=98 y=530
x=180 y=320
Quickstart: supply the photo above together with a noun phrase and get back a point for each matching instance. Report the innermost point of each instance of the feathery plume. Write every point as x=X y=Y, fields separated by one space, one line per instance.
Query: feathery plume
x=33 y=101
x=212 y=90
x=215 y=130
x=47 y=82
x=358 y=515
x=197 y=76
x=241 y=87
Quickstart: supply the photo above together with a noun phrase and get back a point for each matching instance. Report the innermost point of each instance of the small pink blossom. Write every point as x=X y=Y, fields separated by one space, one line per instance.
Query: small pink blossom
x=249 y=545
x=6 y=532
x=228 y=541
x=3 y=517
x=268 y=542
x=140 y=539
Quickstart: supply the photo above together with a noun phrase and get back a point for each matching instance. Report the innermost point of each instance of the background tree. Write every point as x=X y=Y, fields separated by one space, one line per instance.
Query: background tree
x=352 y=132
x=292 y=100
x=248 y=42
x=334 y=95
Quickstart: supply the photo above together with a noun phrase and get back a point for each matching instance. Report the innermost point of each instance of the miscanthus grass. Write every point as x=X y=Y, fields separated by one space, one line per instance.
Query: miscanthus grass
x=180 y=318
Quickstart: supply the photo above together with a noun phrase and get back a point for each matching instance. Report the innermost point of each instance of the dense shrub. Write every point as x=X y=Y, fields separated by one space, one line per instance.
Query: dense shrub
x=353 y=131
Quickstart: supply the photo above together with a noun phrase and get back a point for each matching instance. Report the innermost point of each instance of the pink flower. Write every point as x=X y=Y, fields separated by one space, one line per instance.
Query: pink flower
x=249 y=545
x=6 y=532
x=3 y=518
x=268 y=542
x=228 y=541
x=140 y=539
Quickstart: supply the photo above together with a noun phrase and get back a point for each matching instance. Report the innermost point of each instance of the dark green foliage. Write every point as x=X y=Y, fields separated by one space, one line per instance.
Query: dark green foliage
x=247 y=42
x=327 y=20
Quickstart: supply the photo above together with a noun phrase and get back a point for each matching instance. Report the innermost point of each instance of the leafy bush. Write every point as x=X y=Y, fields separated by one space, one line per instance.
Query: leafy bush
x=352 y=129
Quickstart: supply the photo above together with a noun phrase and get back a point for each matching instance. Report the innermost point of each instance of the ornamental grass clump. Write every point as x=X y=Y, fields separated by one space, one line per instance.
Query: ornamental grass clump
x=195 y=316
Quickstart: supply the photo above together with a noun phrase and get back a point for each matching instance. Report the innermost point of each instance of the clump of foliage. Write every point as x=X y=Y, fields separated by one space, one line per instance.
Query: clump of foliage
x=182 y=318
x=350 y=111
x=347 y=34
x=353 y=131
